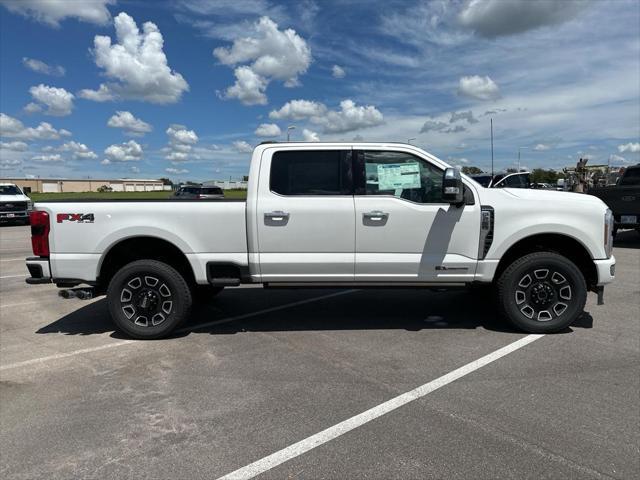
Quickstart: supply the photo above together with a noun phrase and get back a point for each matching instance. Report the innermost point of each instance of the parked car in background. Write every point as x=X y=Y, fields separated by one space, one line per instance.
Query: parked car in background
x=503 y=180
x=623 y=198
x=14 y=204
x=542 y=186
x=204 y=193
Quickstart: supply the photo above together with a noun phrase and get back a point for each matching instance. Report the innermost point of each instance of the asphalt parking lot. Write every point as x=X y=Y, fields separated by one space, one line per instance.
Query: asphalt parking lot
x=259 y=372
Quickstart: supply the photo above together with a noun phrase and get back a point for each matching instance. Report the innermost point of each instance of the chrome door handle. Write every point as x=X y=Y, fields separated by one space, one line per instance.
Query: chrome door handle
x=376 y=216
x=277 y=216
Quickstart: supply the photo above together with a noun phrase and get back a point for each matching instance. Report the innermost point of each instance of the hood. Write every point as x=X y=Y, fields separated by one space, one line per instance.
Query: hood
x=543 y=198
x=14 y=198
x=555 y=196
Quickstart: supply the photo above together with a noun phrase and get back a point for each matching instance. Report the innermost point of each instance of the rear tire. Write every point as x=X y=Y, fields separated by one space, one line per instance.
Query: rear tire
x=148 y=299
x=542 y=292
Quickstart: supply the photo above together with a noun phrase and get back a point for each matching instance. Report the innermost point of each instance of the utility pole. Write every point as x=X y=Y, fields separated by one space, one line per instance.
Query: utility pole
x=519 y=148
x=289 y=128
x=491 y=147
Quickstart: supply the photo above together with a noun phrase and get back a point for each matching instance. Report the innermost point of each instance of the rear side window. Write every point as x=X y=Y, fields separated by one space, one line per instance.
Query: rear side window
x=316 y=172
x=211 y=191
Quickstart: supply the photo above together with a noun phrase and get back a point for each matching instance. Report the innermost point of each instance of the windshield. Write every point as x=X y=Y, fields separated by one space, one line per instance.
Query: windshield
x=631 y=177
x=483 y=180
x=9 y=190
x=211 y=191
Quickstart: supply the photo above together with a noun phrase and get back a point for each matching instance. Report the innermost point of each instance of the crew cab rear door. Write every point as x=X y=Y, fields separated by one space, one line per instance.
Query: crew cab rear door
x=305 y=215
x=405 y=232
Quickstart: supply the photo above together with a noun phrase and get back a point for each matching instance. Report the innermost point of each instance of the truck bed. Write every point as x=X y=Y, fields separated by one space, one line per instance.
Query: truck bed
x=204 y=230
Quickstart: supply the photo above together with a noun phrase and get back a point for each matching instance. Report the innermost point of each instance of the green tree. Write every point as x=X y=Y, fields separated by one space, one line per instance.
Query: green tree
x=471 y=170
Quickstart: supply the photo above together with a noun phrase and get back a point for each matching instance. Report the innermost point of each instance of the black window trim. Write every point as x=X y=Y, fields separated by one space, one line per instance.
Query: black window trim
x=347 y=163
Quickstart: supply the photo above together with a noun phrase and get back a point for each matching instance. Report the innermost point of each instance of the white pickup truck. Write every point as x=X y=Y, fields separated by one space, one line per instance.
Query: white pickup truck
x=336 y=215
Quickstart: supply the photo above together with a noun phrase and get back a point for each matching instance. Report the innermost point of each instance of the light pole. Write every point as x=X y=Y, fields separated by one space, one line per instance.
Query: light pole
x=289 y=128
x=519 y=148
x=410 y=140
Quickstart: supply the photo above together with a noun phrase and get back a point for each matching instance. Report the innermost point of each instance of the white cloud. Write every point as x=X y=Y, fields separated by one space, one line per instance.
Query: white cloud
x=176 y=171
x=78 y=150
x=350 y=116
x=267 y=54
x=137 y=64
x=48 y=158
x=130 y=124
x=629 y=147
x=39 y=66
x=13 y=128
x=268 y=130
x=433 y=126
x=541 y=147
x=338 y=72
x=52 y=12
x=298 y=110
x=134 y=169
x=14 y=146
x=32 y=108
x=59 y=102
x=481 y=88
x=129 y=151
x=493 y=18
x=617 y=158
x=181 y=142
x=180 y=135
x=310 y=136
x=242 y=146
x=468 y=116
x=249 y=87
x=9 y=163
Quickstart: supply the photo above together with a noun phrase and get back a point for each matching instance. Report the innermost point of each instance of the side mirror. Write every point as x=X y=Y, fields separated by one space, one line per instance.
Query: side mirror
x=452 y=188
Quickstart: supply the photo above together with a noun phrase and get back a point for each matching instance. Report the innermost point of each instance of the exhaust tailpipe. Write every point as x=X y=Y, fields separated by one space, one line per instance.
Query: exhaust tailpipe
x=79 y=293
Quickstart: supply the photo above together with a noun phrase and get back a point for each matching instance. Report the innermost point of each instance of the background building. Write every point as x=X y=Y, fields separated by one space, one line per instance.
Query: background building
x=62 y=185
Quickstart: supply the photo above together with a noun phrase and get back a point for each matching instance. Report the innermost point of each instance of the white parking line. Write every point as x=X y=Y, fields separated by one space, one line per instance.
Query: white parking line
x=195 y=327
x=309 y=443
x=9 y=305
x=13 y=259
x=14 y=276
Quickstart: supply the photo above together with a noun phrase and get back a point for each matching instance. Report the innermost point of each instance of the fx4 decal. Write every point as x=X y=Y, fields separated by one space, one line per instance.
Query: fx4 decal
x=75 y=217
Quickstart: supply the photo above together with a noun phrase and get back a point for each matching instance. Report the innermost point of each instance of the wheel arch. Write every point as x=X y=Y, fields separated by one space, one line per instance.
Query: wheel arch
x=142 y=247
x=561 y=244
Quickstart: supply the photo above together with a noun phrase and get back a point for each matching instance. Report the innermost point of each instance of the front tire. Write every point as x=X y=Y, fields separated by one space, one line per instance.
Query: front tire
x=542 y=292
x=148 y=299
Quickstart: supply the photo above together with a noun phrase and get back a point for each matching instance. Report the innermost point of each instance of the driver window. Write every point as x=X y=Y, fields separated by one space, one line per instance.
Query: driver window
x=402 y=175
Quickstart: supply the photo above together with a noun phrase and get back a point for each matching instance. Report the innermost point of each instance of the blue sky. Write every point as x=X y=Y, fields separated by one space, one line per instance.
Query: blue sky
x=90 y=88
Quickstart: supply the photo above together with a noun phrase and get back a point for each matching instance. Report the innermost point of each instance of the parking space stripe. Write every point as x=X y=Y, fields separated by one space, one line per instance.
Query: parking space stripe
x=267 y=463
x=14 y=276
x=186 y=329
x=12 y=259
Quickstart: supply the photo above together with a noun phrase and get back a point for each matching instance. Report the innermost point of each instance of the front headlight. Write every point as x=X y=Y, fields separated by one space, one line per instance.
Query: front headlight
x=608 y=232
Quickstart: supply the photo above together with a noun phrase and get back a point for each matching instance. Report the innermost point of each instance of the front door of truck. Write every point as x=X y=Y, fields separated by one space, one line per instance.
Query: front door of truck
x=305 y=215
x=404 y=231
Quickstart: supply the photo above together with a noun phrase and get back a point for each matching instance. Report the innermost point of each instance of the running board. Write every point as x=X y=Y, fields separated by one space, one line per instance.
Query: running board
x=432 y=285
